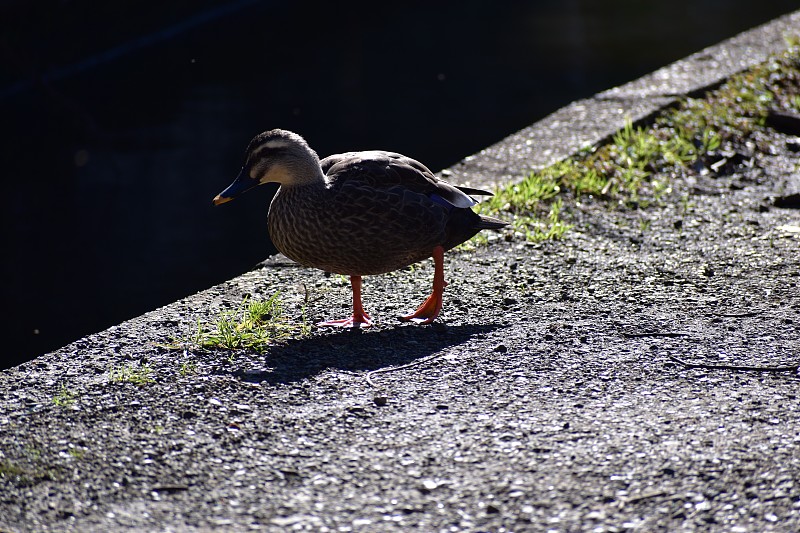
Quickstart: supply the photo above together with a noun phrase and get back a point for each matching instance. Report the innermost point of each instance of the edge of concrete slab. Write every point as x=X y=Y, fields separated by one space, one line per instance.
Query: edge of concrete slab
x=595 y=119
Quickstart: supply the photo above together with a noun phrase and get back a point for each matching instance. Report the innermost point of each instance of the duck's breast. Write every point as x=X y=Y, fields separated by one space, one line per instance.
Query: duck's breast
x=356 y=229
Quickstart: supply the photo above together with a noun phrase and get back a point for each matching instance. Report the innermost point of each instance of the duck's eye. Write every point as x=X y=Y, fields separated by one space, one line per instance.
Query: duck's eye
x=259 y=168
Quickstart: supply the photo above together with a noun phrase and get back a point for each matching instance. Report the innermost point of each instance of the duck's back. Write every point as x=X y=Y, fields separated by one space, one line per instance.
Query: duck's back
x=378 y=212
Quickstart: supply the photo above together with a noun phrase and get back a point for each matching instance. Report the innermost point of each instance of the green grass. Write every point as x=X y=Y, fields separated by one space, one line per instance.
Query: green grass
x=23 y=476
x=10 y=470
x=76 y=453
x=65 y=397
x=187 y=368
x=538 y=230
x=254 y=325
x=638 y=166
x=129 y=373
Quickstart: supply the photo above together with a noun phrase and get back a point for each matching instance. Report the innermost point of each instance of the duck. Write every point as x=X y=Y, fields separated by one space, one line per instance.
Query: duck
x=359 y=214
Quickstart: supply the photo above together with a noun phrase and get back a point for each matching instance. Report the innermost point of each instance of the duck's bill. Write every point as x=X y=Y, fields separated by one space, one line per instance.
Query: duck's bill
x=219 y=199
x=240 y=185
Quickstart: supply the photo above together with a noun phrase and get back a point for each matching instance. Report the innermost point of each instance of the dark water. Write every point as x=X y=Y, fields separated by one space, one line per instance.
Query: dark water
x=122 y=121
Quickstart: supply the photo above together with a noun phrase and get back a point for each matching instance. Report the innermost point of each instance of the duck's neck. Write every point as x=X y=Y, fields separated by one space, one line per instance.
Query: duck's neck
x=301 y=173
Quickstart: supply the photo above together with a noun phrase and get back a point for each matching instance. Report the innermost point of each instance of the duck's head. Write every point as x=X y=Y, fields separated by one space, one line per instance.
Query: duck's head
x=275 y=156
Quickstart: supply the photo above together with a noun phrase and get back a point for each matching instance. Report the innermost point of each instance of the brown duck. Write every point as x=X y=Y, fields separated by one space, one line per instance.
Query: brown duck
x=359 y=213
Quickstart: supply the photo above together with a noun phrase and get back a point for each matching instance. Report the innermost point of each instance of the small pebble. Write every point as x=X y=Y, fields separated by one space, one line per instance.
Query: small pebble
x=380 y=401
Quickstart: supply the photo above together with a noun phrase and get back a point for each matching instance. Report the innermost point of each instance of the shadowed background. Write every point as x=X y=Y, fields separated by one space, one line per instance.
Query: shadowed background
x=122 y=120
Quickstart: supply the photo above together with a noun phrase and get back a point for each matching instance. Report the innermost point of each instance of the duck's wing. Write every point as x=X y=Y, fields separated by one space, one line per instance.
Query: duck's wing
x=381 y=170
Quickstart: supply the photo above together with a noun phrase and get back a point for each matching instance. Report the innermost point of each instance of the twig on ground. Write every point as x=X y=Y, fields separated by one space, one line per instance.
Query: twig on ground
x=641 y=497
x=655 y=334
x=739 y=368
x=746 y=314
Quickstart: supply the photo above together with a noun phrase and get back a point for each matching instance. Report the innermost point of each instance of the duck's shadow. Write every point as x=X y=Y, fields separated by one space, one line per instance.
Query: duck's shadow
x=355 y=351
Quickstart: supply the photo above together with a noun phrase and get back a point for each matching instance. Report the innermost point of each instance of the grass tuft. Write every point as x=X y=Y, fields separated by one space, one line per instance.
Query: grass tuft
x=637 y=167
x=65 y=397
x=254 y=325
x=137 y=375
x=24 y=476
x=187 y=368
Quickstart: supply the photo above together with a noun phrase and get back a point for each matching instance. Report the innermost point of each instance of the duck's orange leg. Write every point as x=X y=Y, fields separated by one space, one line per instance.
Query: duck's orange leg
x=432 y=306
x=360 y=318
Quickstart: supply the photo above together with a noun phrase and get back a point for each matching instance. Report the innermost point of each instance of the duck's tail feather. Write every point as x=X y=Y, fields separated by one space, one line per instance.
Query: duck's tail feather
x=490 y=223
x=476 y=192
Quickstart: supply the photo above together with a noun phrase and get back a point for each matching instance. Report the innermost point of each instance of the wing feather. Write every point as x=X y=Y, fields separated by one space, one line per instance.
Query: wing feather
x=380 y=170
